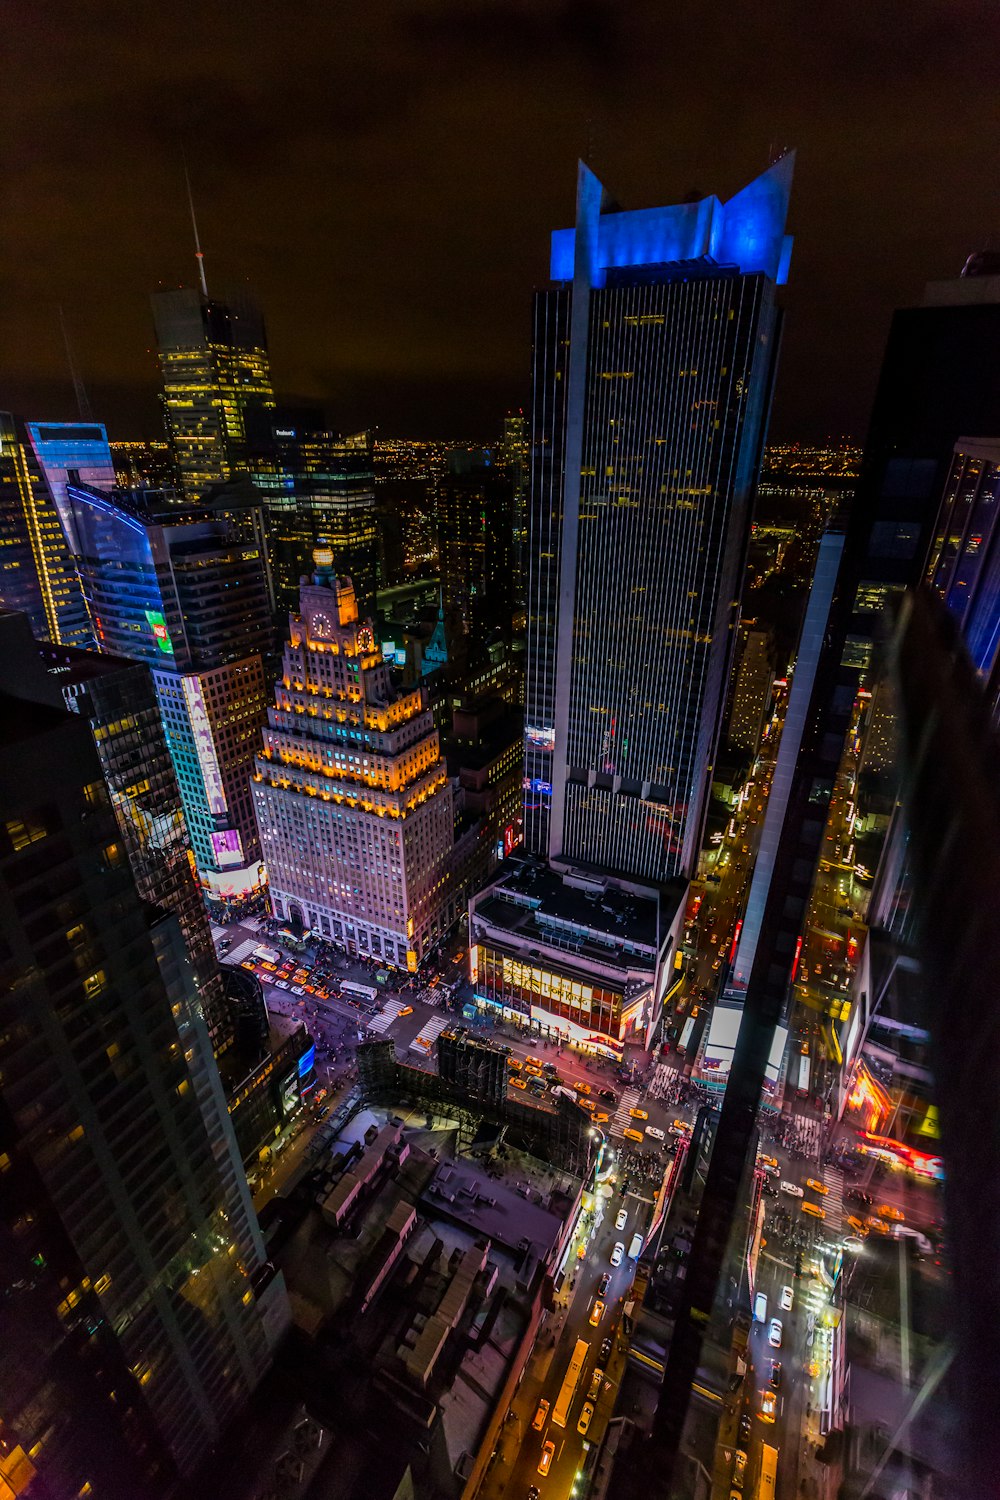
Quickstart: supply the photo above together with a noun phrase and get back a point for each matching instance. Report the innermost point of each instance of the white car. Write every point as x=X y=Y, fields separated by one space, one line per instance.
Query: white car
x=297 y=989
x=282 y=984
x=622 y=1218
x=655 y=1132
x=792 y=1189
x=617 y=1253
x=786 y=1299
x=774 y=1333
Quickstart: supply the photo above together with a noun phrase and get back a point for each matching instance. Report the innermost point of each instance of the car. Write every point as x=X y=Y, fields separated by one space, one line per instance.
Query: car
x=545 y=1462
x=606 y=1350
x=858 y=1225
x=533 y=1492
x=586 y=1416
x=517 y=1083
x=814 y=1210
x=639 y=1114
x=407 y=1010
x=879 y=1225
x=775 y=1376
x=600 y=1118
x=774 y=1333
x=768 y=1161
x=768 y=1405
x=617 y=1253
x=588 y=1105
x=760 y=1307
x=786 y=1299
x=608 y=1095
x=596 y=1312
x=595 y=1383
x=621 y=1218
x=582 y=1088
x=297 y=989
x=635 y=1248
x=655 y=1132
x=769 y=1170
x=515 y=1064
x=817 y=1186
x=746 y=1428
x=282 y=984
x=792 y=1189
x=538 y=1421
x=739 y=1466
x=603 y=1284
x=889 y=1211
x=551 y=1069
x=633 y=1135
x=717 y=965
x=681 y=1127
x=854 y=1242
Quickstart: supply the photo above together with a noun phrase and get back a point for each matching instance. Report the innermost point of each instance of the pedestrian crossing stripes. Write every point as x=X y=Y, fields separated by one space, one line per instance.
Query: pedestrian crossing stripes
x=385 y=1017
x=430 y=1031
x=807 y=1135
x=623 y=1120
x=243 y=951
x=834 y=1201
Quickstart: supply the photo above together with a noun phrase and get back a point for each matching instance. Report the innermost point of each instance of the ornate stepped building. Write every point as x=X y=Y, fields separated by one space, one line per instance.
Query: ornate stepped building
x=352 y=797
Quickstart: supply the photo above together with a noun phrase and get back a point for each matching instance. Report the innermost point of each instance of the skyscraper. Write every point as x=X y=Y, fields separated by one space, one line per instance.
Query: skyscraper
x=37 y=576
x=352 y=797
x=654 y=356
x=214 y=364
x=137 y=1307
x=752 y=690
x=186 y=594
x=318 y=489
x=473 y=508
x=80 y=448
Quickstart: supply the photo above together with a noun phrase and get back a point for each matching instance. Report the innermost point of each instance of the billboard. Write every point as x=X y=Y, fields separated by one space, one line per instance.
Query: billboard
x=227 y=848
x=720 y=1045
x=158 y=625
x=572 y=1031
x=204 y=746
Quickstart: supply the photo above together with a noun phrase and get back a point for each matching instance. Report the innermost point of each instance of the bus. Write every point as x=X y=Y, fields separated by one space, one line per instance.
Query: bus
x=685 y=1040
x=803 y=1088
x=359 y=991
x=768 y=1473
x=577 y=1361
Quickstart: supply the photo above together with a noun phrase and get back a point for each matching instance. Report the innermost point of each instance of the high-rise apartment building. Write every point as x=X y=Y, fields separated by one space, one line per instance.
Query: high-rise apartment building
x=318 y=490
x=37 y=576
x=654 y=356
x=186 y=594
x=751 y=691
x=138 y=1312
x=474 y=512
x=214 y=364
x=515 y=456
x=352 y=797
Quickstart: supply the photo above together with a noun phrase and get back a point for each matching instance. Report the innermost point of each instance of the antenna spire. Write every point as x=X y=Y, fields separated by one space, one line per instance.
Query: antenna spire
x=199 y=256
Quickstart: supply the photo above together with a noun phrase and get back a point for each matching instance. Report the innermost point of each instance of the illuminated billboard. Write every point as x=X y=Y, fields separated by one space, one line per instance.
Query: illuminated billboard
x=581 y=1035
x=204 y=746
x=158 y=625
x=227 y=848
x=720 y=1046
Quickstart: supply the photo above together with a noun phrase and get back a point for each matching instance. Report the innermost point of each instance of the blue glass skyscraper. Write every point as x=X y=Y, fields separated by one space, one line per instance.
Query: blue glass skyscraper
x=62 y=448
x=654 y=359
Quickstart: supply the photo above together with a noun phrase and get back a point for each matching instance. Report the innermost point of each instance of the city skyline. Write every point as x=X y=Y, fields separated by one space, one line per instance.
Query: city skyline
x=357 y=224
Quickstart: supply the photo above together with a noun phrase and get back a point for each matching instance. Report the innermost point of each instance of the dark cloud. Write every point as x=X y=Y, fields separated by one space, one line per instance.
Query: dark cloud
x=384 y=176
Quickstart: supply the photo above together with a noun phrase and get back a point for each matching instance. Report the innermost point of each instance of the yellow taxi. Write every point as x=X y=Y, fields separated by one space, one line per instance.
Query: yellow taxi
x=639 y=1114
x=813 y=1209
x=889 y=1211
x=515 y=1064
x=879 y=1225
x=581 y=1088
x=587 y=1104
x=858 y=1225
x=817 y=1186
x=406 y=1011
x=596 y=1312
x=768 y=1161
x=517 y=1083
x=633 y=1135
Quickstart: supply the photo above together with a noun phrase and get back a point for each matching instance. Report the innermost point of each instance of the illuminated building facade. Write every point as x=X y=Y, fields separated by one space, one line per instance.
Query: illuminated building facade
x=964 y=565
x=654 y=356
x=62 y=447
x=318 y=490
x=574 y=956
x=752 y=691
x=37 y=576
x=138 y=1308
x=352 y=797
x=187 y=595
x=474 y=512
x=214 y=365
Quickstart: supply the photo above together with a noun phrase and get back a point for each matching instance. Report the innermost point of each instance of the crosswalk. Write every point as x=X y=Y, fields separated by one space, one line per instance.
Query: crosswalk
x=807 y=1134
x=430 y=1031
x=385 y=1017
x=243 y=951
x=623 y=1120
x=834 y=1200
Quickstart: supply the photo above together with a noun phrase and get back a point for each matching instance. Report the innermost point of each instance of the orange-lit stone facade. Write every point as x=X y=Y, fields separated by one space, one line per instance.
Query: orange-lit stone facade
x=352 y=797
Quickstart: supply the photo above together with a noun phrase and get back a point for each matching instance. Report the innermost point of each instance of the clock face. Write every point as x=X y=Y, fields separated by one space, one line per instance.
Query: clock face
x=366 y=638
x=320 y=627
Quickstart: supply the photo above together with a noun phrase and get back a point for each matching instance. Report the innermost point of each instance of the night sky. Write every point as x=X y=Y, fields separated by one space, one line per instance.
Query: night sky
x=384 y=175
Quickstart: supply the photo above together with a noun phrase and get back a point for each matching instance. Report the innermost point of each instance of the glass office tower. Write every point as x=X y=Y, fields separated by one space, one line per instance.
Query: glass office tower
x=62 y=448
x=187 y=595
x=137 y=1307
x=654 y=361
x=37 y=576
x=318 y=490
x=214 y=364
